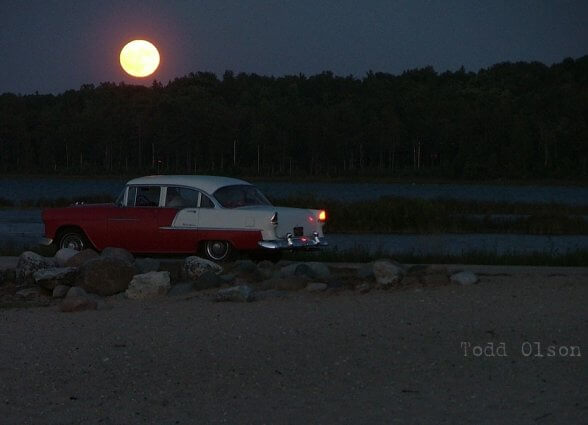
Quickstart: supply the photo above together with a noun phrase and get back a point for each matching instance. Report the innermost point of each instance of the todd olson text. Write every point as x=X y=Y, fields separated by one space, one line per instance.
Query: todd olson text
x=525 y=349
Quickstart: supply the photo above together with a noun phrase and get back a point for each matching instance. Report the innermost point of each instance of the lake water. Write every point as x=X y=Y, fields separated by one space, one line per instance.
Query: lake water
x=32 y=188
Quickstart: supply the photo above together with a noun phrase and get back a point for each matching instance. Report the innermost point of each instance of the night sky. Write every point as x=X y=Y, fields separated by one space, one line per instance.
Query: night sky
x=52 y=46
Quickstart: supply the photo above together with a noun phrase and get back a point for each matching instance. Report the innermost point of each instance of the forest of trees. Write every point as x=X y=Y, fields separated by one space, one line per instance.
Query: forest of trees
x=510 y=121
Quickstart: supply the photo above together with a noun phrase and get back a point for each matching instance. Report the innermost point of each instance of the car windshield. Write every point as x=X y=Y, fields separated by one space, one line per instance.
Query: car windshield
x=240 y=196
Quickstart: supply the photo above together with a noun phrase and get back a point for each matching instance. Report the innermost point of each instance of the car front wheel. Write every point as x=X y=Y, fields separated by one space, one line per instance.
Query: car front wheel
x=73 y=239
x=217 y=250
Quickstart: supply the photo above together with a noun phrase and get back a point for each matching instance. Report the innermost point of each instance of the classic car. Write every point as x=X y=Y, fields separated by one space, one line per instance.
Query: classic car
x=209 y=215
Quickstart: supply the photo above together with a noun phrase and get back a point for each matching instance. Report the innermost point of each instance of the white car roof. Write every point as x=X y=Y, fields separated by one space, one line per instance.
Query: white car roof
x=208 y=184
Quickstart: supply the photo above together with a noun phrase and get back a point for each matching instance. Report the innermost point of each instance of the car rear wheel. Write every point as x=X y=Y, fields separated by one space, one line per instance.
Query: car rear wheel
x=73 y=239
x=217 y=250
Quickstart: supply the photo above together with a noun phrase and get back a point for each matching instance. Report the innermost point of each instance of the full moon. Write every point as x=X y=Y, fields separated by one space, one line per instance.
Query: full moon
x=139 y=58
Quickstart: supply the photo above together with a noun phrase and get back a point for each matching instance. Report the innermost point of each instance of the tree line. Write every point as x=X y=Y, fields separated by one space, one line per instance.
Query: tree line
x=521 y=120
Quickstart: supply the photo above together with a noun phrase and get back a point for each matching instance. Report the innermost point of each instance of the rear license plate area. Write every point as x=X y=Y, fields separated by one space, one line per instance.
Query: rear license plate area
x=298 y=231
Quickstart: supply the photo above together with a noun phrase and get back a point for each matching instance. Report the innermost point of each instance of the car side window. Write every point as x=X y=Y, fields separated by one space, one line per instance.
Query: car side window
x=205 y=202
x=181 y=197
x=143 y=196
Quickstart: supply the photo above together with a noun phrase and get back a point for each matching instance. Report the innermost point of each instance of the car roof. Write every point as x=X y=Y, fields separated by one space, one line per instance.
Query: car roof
x=208 y=184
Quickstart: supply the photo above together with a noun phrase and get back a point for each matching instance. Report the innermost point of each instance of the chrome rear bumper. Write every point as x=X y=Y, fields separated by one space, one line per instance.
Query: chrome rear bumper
x=45 y=241
x=291 y=242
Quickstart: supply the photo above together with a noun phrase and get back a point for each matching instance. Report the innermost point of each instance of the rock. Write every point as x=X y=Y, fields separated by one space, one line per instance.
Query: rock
x=183 y=288
x=304 y=270
x=50 y=278
x=316 y=287
x=241 y=293
x=270 y=293
x=73 y=304
x=63 y=255
x=81 y=257
x=292 y=283
x=247 y=270
x=464 y=278
x=196 y=266
x=288 y=270
x=29 y=293
x=366 y=271
x=208 y=280
x=118 y=253
x=387 y=274
x=177 y=272
x=60 y=291
x=105 y=276
x=320 y=270
x=76 y=291
x=146 y=265
x=227 y=278
x=28 y=263
x=363 y=288
x=266 y=269
x=148 y=285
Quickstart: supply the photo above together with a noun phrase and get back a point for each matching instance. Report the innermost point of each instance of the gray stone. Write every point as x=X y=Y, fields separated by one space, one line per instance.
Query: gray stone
x=321 y=270
x=196 y=266
x=270 y=293
x=241 y=293
x=183 y=288
x=366 y=271
x=316 y=287
x=247 y=270
x=63 y=255
x=74 y=304
x=50 y=278
x=288 y=270
x=464 y=278
x=76 y=291
x=148 y=285
x=105 y=276
x=266 y=269
x=175 y=267
x=304 y=270
x=81 y=257
x=28 y=263
x=146 y=265
x=387 y=273
x=363 y=288
x=29 y=292
x=227 y=278
x=208 y=280
x=60 y=291
x=118 y=253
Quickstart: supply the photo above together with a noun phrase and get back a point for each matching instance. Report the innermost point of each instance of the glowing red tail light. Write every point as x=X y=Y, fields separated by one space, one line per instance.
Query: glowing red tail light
x=322 y=216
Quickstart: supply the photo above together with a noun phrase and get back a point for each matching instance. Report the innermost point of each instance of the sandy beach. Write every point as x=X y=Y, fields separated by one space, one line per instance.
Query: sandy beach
x=397 y=356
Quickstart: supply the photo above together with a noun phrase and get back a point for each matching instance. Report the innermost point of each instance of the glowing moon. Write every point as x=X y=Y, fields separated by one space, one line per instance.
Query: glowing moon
x=139 y=58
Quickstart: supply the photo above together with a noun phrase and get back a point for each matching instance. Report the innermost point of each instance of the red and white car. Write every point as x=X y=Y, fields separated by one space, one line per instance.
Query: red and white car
x=210 y=215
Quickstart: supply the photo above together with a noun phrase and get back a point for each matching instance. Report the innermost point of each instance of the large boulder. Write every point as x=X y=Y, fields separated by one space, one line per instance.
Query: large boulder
x=240 y=293
x=28 y=263
x=63 y=255
x=386 y=273
x=118 y=253
x=320 y=270
x=247 y=270
x=105 y=276
x=196 y=266
x=81 y=257
x=148 y=285
x=54 y=276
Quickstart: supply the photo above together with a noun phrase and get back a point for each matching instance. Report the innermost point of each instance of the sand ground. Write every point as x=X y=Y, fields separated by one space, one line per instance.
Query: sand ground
x=379 y=358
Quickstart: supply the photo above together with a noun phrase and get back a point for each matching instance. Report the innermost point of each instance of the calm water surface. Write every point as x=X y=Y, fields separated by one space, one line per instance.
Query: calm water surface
x=32 y=188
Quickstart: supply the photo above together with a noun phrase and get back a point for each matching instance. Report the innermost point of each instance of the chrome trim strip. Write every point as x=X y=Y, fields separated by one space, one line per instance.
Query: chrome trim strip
x=295 y=243
x=207 y=228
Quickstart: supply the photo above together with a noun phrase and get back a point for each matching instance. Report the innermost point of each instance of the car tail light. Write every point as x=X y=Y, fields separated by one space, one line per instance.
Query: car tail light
x=322 y=216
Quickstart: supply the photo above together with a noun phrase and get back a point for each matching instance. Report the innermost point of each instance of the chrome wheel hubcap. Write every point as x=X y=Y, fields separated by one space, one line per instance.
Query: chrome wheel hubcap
x=217 y=250
x=73 y=241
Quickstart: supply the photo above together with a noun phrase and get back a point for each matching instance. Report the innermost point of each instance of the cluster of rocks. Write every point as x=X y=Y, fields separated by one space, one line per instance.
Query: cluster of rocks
x=83 y=279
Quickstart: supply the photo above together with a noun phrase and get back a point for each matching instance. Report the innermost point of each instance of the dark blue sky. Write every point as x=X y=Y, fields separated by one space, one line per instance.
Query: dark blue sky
x=53 y=46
